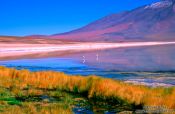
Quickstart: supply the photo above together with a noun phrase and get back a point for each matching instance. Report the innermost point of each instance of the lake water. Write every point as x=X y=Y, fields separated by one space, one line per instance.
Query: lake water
x=152 y=66
x=66 y=65
x=75 y=67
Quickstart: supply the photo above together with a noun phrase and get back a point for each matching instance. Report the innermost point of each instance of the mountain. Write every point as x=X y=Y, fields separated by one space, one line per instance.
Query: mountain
x=153 y=22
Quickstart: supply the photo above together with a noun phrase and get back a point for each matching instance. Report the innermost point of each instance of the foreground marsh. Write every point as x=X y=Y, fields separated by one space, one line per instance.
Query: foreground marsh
x=43 y=91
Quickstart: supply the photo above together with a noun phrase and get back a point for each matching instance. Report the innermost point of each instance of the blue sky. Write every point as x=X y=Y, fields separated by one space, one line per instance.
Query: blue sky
x=28 y=17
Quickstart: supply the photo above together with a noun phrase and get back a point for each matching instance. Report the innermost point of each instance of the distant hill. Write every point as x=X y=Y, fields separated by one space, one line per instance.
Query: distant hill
x=153 y=22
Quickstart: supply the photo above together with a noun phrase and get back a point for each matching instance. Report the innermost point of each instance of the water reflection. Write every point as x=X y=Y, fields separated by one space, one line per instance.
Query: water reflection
x=129 y=64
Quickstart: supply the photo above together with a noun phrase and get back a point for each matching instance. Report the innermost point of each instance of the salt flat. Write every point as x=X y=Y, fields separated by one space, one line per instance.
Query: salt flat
x=23 y=49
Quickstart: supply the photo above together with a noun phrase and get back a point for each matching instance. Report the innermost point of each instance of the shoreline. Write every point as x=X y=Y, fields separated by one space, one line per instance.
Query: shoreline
x=24 y=49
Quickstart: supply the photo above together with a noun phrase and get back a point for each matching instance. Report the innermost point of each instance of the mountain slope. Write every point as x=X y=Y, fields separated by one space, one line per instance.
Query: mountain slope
x=148 y=23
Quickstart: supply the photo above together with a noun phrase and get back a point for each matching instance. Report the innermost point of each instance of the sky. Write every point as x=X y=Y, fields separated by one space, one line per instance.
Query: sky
x=46 y=17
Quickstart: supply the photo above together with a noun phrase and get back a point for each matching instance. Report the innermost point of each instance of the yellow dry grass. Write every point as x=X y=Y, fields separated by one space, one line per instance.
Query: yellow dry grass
x=92 y=85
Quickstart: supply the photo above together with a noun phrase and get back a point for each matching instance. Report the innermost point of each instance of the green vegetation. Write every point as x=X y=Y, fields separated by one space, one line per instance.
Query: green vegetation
x=35 y=101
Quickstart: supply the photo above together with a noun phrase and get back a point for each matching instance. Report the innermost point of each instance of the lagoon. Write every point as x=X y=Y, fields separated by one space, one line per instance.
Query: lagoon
x=74 y=67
